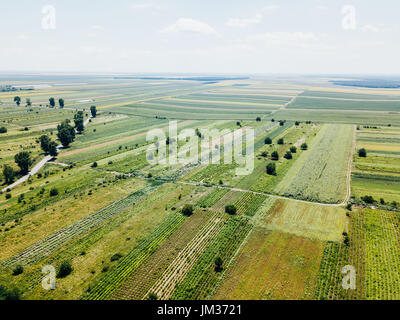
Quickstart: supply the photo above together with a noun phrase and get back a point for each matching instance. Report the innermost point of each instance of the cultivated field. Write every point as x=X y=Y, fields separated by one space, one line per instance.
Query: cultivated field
x=117 y=227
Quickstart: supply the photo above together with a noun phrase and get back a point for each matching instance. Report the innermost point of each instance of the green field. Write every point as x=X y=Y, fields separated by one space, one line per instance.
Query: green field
x=131 y=230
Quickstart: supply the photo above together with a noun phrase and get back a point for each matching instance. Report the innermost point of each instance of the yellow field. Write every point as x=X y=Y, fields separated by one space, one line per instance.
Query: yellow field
x=379 y=146
x=306 y=220
x=272 y=265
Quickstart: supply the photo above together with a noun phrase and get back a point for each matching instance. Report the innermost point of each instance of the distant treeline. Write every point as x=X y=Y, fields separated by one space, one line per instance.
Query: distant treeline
x=371 y=83
x=202 y=79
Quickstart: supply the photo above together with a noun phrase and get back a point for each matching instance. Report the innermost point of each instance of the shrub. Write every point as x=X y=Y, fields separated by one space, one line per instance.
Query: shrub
x=281 y=141
x=268 y=140
x=362 y=153
x=368 y=199
x=116 y=257
x=304 y=146
x=264 y=154
x=288 y=155
x=8 y=196
x=230 y=209
x=293 y=149
x=271 y=169
x=152 y=297
x=64 y=270
x=54 y=192
x=275 y=156
x=18 y=270
x=258 y=119
x=94 y=165
x=187 y=210
x=382 y=201
x=3 y=130
x=297 y=123
x=218 y=264
x=6 y=294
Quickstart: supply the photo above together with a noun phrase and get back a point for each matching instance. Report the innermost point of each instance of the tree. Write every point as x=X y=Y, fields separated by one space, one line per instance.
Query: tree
x=78 y=119
x=368 y=199
x=275 y=156
x=17 y=100
x=3 y=130
x=93 y=110
x=264 y=154
x=23 y=160
x=271 y=169
x=18 y=270
x=268 y=140
x=293 y=149
x=52 y=102
x=282 y=123
x=61 y=103
x=288 y=155
x=258 y=119
x=231 y=209
x=44 y=143
x=304 y=146
x=152 y=297
x=187 y=210
x=297 y=123
x=28 y=102
x=281 y=141
x=7 y=294
x=64 y=270
x=54 y=192
x=53 y=149
x=218 y=264
x=362 y=153
x=8 y=173
x=66 y=134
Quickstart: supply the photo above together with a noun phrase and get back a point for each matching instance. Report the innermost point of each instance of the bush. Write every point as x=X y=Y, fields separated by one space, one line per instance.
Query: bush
x=368 y=199
x=293 y=149
x=258 y=119
x=281 y=141
x=3 y=130
x=187 y=210
x=275 y=156
x=231 y=209
x=152 y=297
x=268 y=140
x=264 y=154
x=116 y=257
x=362 y=153
x=218 y=264
x=6 y=294
x=8 y=196
x=54 y=192
x=288 y=155
x=94 y=165
x=271 y=169
x=304 y=146
x=18 y=270
x=64 y=270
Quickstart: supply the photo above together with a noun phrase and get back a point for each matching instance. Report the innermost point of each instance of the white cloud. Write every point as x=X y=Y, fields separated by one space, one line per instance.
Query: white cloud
x=369 y=28
x=284 y=38
x=321 y=7
x=234 y=22
x=190 y=25
x=270 y=8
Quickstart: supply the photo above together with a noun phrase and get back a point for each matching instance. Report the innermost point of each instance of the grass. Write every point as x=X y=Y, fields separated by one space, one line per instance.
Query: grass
x=306 y=220
x=272 y=266
x=320 y=173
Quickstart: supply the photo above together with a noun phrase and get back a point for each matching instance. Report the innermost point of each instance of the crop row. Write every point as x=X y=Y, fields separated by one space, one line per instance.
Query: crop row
x=249 y=203
x=203 y=278
x=132 y=261
x=139 y=282
x=50 y=244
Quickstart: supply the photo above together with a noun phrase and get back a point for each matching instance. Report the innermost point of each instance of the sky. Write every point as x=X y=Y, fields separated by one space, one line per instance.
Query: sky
x=201 y=36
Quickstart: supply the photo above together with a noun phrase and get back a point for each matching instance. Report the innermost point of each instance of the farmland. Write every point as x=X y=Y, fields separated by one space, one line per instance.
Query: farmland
x=131 y=229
